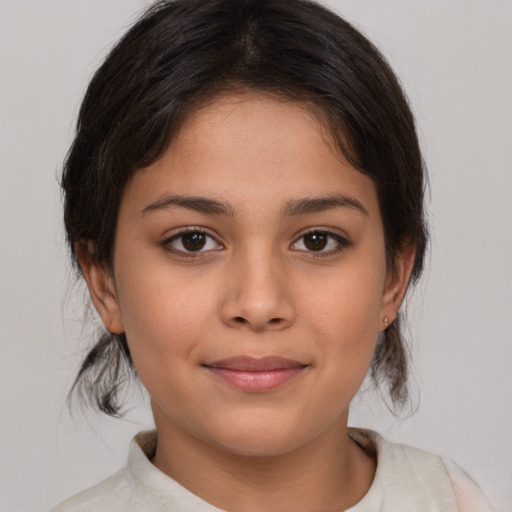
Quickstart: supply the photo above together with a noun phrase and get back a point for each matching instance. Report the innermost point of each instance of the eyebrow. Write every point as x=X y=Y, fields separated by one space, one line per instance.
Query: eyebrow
x=199 y=204
x=297 y=207
x=292 y=208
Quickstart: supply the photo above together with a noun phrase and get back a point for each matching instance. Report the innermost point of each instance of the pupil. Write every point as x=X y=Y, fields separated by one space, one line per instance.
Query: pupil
x=194 y=241
x=315 y=241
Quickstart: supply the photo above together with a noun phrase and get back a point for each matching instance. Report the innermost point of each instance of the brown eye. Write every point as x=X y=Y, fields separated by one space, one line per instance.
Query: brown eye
x=316 y=241
x=193 y=241
x=320 y=242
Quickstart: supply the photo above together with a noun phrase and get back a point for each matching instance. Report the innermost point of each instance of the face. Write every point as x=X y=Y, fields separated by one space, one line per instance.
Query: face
x=250 y=278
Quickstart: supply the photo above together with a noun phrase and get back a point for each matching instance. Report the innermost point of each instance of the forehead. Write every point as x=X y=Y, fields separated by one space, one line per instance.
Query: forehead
x=254 y=148
x=250 y=116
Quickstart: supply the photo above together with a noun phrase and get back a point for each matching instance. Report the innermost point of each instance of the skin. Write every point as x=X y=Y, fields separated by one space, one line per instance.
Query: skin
x=255 y=289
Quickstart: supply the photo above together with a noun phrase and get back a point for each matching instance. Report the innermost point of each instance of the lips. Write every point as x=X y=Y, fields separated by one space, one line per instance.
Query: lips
x=256 y=374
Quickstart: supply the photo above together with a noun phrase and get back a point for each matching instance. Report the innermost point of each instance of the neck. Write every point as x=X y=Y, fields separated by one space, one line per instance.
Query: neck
x=331 y=472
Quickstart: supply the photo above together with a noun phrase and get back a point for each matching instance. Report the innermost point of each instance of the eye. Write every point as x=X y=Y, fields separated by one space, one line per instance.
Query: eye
x=192 y=241
x=319 y=241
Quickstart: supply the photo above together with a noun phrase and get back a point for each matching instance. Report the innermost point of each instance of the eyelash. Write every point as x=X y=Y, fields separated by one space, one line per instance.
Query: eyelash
x=167 y=243
x=342 y=243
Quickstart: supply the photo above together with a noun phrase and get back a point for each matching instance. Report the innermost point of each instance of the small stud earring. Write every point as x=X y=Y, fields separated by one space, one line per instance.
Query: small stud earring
x=386 y=322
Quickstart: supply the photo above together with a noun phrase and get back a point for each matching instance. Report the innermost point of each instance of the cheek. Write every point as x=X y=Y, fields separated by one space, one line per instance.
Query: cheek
x=351 y=302
x=346 y=316
x=163 y=314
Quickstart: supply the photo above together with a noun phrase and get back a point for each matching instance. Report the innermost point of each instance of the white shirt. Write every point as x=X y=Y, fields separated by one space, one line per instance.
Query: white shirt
x=407 y=479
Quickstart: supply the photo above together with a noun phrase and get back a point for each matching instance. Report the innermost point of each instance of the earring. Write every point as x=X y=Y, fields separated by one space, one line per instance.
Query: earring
x=386 y=322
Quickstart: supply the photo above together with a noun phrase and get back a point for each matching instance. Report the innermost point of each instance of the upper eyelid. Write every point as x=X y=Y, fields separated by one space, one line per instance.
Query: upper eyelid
x=168 y=240
x=340 y=237
x=335 y=233
x=192 y=229
x=343 y=243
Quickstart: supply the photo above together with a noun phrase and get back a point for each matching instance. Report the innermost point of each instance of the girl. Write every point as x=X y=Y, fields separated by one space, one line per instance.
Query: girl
x=244 y=198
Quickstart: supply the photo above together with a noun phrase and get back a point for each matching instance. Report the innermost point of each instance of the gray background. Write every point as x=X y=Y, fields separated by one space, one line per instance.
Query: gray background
x=454 y=58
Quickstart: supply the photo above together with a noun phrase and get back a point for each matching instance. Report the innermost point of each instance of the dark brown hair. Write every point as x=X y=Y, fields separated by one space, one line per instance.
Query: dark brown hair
x=181 y=54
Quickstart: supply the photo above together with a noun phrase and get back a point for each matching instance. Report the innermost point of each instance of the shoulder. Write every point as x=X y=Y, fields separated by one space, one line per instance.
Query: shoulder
x=469 y=496
x=110 y=495
x=118 y=492
x=397 y=461
x=410 y=477
x=139 y=487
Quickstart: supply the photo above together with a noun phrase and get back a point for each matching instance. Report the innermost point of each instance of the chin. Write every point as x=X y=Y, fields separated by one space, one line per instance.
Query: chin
x=255 y=437
x=260 y=446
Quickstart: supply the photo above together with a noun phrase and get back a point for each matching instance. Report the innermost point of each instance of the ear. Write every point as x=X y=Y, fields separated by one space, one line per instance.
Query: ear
x=397 y=282
x=100 y=282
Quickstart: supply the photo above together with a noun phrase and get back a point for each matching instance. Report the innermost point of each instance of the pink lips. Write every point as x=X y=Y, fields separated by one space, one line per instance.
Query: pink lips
x=256 y=374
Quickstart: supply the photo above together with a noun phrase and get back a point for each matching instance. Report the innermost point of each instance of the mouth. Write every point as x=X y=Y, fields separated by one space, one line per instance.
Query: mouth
x=256 y=374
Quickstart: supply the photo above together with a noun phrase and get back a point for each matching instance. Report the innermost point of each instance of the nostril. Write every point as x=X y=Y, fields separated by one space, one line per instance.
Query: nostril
x=239 y=320
x=274 y=321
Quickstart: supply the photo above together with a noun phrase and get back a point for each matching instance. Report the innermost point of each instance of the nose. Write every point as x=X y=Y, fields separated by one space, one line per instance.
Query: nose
x=258 y=295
